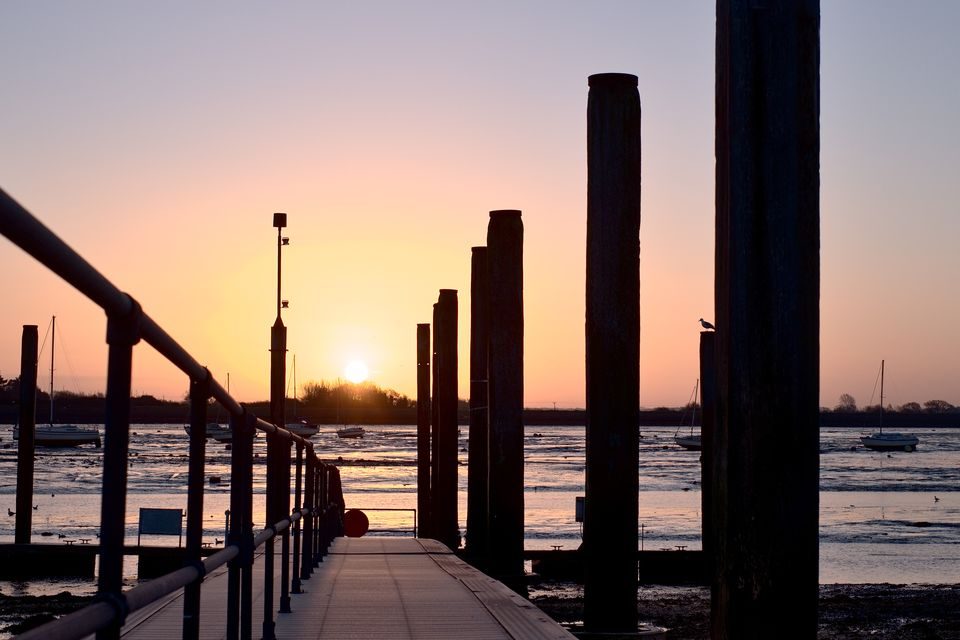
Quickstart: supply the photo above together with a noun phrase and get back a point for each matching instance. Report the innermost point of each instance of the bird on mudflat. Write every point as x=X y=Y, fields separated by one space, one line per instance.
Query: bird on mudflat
x=11 y=513
x=707 y=325
x=936 y=499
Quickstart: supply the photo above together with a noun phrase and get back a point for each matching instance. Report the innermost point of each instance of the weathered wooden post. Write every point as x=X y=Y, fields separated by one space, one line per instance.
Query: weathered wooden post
x=275 y=473
x=477 y=463
x=26 y=421
x=434 y=439
x=444 y=493
x=423 y=430
x=199 y=394
x=708 y=411
x=612 y=352
x=767 y=317
x=505 y=397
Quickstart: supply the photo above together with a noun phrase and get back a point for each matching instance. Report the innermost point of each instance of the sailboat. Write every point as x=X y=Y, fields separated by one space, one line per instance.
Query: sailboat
x=216 y=431
x=301 y=427
x=60 y=435
x=690 y=442
x=888 y=441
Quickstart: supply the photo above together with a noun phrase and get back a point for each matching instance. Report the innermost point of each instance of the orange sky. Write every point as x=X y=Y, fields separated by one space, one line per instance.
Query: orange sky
x=158 y=139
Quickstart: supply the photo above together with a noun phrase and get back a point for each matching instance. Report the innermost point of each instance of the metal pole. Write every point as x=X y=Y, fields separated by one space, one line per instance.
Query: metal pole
x=199 y=393
x=423 y=425
x=612 y=353
x=122 y=334
x=306 y=558
x=505 y=397
x=26 y=425
x=767 y=318
x=478 y=462
x=235 y=530
x=284 y=507
x=246 y=569
x=296 y=587
x=444 y=498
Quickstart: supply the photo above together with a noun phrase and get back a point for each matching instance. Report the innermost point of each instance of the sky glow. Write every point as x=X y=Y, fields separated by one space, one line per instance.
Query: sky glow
x=158 y=138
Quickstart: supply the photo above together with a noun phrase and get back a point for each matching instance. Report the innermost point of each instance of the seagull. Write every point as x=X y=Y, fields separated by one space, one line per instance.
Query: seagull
x=936 y=499
x=707 y=325
x=11 y=513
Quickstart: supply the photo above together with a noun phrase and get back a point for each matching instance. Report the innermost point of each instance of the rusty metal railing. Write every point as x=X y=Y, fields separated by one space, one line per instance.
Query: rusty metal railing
x=316 y=517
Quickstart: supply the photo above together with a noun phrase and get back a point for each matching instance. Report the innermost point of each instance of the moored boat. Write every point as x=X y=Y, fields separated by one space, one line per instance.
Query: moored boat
x=351 y=432
x=302 y=428
x=888 y=441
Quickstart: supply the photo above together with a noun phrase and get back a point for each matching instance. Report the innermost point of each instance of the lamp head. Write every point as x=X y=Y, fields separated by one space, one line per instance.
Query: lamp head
x=279 y=220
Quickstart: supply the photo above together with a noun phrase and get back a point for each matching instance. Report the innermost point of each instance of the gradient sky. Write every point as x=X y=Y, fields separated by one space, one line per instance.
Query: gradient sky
x=158 y=138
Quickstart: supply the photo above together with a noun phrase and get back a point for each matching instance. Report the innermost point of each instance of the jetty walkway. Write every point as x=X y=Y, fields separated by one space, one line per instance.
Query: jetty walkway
x=376 y=587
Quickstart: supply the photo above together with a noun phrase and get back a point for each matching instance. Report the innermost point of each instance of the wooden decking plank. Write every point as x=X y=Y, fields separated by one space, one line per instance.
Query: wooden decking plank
x=371 y=588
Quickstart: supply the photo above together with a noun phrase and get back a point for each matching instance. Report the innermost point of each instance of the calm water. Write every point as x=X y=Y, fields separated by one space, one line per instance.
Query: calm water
x=879 y=521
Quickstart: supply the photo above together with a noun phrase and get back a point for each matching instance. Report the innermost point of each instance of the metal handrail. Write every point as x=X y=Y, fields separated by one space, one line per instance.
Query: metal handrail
x=127 y=324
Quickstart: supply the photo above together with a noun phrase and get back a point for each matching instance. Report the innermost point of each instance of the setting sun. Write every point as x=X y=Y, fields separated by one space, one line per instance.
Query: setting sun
x=356 y=371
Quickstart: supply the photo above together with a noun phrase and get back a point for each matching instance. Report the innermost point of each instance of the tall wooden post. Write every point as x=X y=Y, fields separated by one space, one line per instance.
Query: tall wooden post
x=767 y=317
x=434 y=422
x=444 y=494
x=708 y=412
x=423 y=430
x=613 y=352
x=505 y=396
x=26 y=421
x=477 y=464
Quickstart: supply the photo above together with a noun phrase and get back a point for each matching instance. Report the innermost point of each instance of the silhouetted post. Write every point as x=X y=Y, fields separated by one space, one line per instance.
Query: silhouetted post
x=444 y=493
x=123 y=332
x=199 y=393
x=478 y=461
x=26 y=421
x=767 y=317
x=708 y=412
x=505 y=396
x=275 y=475
x=310 y=501
x=423 y=429
x=612 y=352
x=434 y=422
x=296 y=585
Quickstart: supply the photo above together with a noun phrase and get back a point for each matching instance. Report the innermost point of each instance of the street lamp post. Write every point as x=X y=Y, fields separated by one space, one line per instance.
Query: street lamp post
x=278 y=450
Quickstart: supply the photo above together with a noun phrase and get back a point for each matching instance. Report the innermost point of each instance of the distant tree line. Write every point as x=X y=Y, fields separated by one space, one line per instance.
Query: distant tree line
x=348 y=395
x=848 y=404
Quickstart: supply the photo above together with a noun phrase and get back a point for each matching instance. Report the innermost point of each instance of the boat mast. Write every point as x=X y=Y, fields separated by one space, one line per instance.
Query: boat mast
x=693 y=409
x=294 y=386
x=881 y=396
x=53 y=342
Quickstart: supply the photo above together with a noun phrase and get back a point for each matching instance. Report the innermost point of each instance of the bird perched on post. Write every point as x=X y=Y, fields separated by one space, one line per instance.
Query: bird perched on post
x=707 y=325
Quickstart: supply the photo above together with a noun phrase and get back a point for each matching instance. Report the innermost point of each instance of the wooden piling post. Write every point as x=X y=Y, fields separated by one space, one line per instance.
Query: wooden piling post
x=505 y=396
x=26 y=421
x=767 y=317
x=708 y=410
x=612 y=352
x=434 y=439
x=444 y=493
x=477 y=463
x=423 y=429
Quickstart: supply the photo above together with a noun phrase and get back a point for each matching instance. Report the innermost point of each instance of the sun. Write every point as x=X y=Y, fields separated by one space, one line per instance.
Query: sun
x=356 y=371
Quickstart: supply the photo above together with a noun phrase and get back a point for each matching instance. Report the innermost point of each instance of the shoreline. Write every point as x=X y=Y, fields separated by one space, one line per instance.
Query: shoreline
x=846 y=611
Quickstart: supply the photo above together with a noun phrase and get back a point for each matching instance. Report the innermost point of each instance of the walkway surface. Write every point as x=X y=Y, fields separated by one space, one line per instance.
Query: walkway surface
x=370 y=588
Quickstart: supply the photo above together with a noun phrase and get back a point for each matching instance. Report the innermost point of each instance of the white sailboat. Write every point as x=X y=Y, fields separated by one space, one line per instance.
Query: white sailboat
x=60 y=435
x=888 y=441
x=691 y=441
x=301 y=427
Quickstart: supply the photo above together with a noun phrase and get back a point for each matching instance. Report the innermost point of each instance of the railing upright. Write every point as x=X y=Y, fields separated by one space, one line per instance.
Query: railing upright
x=295 y=587
x=283 y=507
x=274 y=443
x=306 y=557
x=199 y=393
x=122 y=335
x=247 y=548
x=235 y=534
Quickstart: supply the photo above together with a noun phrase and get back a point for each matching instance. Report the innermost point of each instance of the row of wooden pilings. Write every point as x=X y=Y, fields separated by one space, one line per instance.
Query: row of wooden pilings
x=760 y=369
